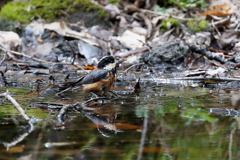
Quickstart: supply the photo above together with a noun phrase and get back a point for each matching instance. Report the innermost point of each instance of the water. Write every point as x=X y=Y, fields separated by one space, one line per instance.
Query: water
x=174 y=121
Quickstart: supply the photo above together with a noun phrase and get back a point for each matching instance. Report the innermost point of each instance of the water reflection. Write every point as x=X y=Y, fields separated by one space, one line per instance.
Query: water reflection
x=165 y=122
x=103 y=115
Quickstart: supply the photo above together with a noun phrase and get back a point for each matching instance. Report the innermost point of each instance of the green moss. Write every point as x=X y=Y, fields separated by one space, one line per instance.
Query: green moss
x=189 y=3
x=172 y=21
x=114 y=1
x=197 y=26
x=47 y=9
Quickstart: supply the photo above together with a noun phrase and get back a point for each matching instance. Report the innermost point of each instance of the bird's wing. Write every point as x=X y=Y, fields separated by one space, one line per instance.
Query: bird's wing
x=92 y=77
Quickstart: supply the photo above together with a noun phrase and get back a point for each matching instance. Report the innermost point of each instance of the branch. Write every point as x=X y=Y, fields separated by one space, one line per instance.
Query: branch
x=16 y=105
x=35 y=59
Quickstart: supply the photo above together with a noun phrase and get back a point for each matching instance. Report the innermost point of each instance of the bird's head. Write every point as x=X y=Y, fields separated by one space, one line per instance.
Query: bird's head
x=108 y=62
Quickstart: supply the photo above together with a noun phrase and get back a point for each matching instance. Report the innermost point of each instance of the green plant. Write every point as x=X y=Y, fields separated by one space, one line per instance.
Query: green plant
x=46 y=9
x=196 y=25
x=169 y=22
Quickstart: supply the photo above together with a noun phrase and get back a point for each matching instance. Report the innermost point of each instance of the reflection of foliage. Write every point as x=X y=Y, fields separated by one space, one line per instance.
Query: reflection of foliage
x=88 y=143
x=142 y=111
x=46 y=9
x=195 y=114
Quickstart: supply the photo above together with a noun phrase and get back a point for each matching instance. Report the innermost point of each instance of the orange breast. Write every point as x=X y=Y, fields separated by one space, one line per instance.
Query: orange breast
x=102 y=86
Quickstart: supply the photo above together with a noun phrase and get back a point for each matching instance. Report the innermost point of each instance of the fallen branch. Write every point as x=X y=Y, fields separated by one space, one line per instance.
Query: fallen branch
x=62 y=113
x=18 y=139
x=126 y=70
x=35 y=59
x=211 y=56
x=16 y=105
x=25 y=116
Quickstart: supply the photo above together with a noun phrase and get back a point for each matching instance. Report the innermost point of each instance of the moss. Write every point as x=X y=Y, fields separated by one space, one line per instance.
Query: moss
x=197 y=26
x=189 y=3
x=46 y=9
x=114 y=1
x=172 y=21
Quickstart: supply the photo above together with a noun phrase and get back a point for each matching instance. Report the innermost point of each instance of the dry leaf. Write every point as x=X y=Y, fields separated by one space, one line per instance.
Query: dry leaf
x=224 y=9
x=62 y=29
x=9 y=39
x=132 y=40
x=89 y=67
x=228 y=39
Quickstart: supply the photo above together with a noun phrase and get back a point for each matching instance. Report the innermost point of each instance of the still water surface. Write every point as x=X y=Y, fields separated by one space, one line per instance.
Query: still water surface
x=166 y=121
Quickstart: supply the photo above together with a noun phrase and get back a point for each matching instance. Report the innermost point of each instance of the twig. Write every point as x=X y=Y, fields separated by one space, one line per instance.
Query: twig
x=62 y=113
x=214 y=26
x=73 y=52
x=230 y=145
x=34 y=59
x=126 y=70
x=143 y=138
x=22 y=112
x=203 y=51
x=17 y=140
x=147 y=23
x=166 y=16
x=4 y=57
x=16 y=104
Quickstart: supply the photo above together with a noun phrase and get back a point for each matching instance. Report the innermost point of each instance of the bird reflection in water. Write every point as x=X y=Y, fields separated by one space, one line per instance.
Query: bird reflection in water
x=104 y=116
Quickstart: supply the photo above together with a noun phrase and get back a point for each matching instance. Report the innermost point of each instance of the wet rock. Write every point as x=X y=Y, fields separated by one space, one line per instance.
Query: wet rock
x=169 y=54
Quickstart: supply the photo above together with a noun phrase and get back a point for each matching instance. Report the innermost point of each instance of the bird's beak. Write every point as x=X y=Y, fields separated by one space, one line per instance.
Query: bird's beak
x=119 y=61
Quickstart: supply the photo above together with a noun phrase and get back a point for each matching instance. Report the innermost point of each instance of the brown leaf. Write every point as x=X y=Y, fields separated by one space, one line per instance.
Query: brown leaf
x=89 y=67
x=224 y=9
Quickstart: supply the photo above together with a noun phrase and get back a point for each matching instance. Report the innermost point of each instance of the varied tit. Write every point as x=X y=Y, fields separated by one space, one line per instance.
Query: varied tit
x=100 y=80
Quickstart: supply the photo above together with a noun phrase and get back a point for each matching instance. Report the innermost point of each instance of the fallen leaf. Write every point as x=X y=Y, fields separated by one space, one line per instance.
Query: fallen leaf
x=224 y=9
x=89 y=67
x=62 y=29
x=228 y=39
x=9 y=39
x=132 y=40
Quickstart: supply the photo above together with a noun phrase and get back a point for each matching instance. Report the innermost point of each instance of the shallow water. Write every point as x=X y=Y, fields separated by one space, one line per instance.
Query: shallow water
x=166 y=121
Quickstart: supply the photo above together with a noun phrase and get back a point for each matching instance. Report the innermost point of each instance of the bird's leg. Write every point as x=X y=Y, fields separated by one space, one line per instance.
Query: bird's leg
x=94 y=95
x=115 y=94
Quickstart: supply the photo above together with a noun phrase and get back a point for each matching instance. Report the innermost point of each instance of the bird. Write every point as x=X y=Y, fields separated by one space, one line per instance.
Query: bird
x=100 y=80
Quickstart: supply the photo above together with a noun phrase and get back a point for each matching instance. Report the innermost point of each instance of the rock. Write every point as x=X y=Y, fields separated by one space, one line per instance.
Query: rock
x=169 y=54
